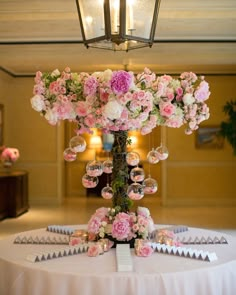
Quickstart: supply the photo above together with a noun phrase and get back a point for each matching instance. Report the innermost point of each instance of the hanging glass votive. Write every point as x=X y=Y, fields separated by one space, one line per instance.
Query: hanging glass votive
x=94 y=168
x=135 y=191
x=89 y=181
x=107 y=166
x=152 y=157
x=137 y=174
x=150 y=186
x=107 y=192
x=162 y=152
x=132 y=158
x=69 y=155
x=77 y=144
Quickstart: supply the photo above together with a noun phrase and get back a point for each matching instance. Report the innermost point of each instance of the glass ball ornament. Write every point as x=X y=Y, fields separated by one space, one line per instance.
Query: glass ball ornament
x=94 y=168
x=132 y=158
x=69 y=155
x=89 y=181
x=137 y=174
x=152 y=156
x=77 y=144
x=150 y=186
x=162 y=152
x=107 y=192
x=135 y=191
x=107 y=166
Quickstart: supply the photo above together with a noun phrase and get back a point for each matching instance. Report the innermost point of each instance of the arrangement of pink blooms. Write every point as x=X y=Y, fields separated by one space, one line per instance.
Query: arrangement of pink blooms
x=120 y=100
x=111 y=222
x=9 y=155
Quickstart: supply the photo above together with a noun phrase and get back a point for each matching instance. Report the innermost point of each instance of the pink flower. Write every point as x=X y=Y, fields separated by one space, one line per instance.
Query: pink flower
x=121 y=82
x=144 y=251
x=10 y=154
x=94 y=224
x=166 y=109
x=81 y=109
x=94 y=250
x=202 y=93
x=90 y=86
x=120 y=229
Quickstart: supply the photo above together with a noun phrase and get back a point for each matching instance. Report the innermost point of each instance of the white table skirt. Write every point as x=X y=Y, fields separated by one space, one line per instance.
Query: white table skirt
x=83 y=275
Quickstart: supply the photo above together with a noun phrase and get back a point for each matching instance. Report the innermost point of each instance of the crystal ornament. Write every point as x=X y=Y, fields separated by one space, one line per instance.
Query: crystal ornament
x=132 y=158
x=153 y=156
x=162 y=152
x=107 y=192
x=150 y=186
x=137 y=174
x=135 y=191
x=77 y=144
x=89 y=181
x=69 y=155
x=94 y=168
x=107 y=166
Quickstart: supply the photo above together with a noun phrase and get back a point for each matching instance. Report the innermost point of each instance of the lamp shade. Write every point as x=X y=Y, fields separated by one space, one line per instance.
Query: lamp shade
x=118 y=24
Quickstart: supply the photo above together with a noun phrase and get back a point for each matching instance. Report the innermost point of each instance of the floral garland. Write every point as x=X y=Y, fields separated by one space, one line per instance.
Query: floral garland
x=120 y=100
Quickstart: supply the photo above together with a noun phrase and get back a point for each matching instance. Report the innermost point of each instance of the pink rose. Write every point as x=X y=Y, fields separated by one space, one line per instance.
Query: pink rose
x=144 y=251
x=94 y=250
x=166 y=109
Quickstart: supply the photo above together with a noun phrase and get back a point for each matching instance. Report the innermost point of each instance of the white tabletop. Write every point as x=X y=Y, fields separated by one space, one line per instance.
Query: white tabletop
x=80 y=274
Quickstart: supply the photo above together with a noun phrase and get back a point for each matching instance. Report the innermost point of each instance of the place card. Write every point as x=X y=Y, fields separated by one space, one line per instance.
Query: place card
x=185 y=252
x=202 y=240
x=57 y=253
x=123 y=257
x=61 y=229
x=41 y=240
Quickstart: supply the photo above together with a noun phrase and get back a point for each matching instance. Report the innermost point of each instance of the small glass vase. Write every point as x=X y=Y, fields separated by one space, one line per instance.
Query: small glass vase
x=7 y=164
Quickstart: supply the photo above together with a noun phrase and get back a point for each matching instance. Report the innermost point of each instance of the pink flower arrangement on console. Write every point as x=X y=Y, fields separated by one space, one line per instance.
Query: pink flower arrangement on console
x=121 y=226
x=120 y=100
x=9 y=155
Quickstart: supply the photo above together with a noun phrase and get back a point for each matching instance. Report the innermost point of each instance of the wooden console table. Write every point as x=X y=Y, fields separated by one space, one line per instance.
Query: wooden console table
x=13 y=193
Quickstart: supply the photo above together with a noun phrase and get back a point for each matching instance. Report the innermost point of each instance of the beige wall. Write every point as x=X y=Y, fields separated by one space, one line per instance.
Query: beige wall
x=189 y=176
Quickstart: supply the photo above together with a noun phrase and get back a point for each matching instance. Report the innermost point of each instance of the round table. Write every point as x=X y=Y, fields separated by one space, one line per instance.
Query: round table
x=80 y=274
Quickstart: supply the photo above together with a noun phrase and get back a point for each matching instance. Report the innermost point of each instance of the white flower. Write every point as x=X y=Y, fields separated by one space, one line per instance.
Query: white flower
x=113 y=110
x=55 y=73
x=188 y=99
x=143 y=211
x=51 y=117
x=37 y=103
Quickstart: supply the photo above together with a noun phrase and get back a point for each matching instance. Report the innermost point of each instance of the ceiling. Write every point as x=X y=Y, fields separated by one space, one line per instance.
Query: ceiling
x=196 y=35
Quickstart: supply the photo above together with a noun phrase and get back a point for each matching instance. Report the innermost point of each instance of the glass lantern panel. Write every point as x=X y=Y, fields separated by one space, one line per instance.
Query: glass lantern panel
x=139 y=15
x=93 y=18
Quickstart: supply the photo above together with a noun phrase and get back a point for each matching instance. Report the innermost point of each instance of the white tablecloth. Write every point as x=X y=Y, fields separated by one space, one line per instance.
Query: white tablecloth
x=79 y=274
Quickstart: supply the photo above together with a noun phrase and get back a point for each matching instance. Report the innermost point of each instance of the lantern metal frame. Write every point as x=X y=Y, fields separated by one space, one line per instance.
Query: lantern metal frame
x=111 y=41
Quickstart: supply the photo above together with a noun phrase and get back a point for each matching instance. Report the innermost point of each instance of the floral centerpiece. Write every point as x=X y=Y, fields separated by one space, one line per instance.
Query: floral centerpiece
x=9 y=155
x=116 y=102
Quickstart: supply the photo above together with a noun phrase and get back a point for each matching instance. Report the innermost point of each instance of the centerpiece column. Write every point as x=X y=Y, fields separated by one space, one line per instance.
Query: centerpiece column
x=120 y=174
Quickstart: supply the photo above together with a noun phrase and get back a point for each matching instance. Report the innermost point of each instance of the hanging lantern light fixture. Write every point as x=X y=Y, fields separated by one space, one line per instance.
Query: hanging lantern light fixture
x=118 y=24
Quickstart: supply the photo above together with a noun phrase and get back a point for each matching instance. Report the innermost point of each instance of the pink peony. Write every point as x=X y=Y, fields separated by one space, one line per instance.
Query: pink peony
x=121 y=82
x=120 y=229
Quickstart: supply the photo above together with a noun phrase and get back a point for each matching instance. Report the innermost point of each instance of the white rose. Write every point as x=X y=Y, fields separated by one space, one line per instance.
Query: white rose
x=188 y=99
x=37 y=103
x=113 y=110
